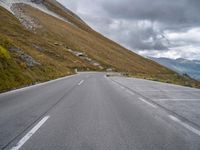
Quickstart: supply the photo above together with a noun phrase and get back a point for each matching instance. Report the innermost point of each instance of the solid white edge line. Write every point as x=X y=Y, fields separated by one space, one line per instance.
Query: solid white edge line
x=35 y=85
x=180 y=99
x=80 y=82
x=127 y=90
x=130 y=92
x=29 y=134
x=185 y=125
x=114 y=82
x=152 y=105
x=122 y=87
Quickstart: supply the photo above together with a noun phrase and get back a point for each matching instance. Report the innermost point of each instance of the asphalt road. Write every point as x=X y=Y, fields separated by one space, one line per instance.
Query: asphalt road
x=183 y=101
x=90 y=111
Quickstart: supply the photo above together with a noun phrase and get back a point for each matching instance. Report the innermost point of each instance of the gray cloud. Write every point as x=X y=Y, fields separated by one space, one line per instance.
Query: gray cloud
x=144 y=25
x=173 y=12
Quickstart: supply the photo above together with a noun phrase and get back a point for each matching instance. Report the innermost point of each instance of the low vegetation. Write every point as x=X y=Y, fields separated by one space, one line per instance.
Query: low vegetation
x=4 y=54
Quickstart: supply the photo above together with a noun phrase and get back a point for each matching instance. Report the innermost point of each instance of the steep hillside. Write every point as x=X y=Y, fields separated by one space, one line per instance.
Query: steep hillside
x=43 y=40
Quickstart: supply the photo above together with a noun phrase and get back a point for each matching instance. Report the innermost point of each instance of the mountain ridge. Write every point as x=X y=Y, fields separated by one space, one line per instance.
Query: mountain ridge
x=181 y=65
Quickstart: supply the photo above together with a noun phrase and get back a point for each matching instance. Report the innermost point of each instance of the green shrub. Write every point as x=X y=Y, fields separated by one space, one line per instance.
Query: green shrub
x=4 y=53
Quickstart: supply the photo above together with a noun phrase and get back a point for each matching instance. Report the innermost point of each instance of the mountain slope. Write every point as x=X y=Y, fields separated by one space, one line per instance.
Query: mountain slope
x=183 y=66
x=43 y=40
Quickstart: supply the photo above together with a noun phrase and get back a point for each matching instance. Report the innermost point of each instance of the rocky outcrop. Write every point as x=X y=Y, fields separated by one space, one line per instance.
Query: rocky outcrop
x=30 y=61
x=86 y=58
x=27 y=21
x=41 y=49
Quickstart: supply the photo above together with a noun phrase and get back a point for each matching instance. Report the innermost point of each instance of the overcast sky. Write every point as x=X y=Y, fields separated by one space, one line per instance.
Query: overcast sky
x=158 y=28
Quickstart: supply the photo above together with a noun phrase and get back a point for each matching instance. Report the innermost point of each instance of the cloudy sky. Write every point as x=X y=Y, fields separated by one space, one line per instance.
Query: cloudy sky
x=158 y=28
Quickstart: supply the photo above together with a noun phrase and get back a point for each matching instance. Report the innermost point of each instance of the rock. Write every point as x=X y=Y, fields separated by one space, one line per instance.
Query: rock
x=57 y=44
x=109 y=70
x=38 y=48
x=84 y=56
x=96 y=64
x=29 y=60
x=14 y=49
x=79 y=54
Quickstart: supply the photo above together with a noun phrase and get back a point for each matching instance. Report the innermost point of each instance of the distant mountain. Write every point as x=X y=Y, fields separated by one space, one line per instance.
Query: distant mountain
x=182 y=66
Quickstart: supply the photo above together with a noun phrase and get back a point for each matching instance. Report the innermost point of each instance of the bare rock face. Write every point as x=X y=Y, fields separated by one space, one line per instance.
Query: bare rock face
x=27 y=21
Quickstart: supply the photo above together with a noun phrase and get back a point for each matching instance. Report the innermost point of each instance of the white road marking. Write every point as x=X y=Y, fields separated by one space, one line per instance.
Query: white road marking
x=152 y=105
x=80 y=82
x=122 y=87
x=127 y=90
x=163 y=90
x=114 y=83
x=130 y=92
x=185 y=125
x=29 y=134
x=35 y=86
x=180 y=99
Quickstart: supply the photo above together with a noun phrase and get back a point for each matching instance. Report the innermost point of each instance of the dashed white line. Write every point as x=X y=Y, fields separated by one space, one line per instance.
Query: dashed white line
x=152 y=105
x=185 y=125
x=80 y=82
x=29 y=134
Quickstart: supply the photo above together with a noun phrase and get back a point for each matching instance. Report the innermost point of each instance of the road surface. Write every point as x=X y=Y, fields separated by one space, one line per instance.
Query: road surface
x=90 y=111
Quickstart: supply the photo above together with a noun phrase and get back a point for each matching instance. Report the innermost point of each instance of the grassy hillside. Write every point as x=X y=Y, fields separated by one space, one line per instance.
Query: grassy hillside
x=16 y=41
x=42 y=54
